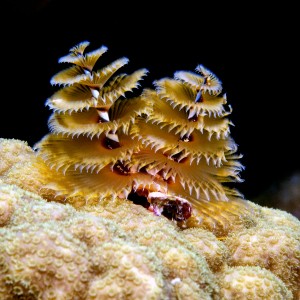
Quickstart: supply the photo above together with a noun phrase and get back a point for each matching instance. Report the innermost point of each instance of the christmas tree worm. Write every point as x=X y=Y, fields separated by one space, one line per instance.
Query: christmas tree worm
x=169 y=147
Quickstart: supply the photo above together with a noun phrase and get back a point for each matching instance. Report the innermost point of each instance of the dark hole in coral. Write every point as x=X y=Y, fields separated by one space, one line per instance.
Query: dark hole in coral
x=139 y=199
x=120 y=168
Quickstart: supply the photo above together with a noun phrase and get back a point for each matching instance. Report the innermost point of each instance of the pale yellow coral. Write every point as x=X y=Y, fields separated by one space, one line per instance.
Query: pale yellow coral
x=129 y=216
x=28 y=207
x=42 y=260
x=204 y=242
x=281 y=218
x=6 y=210
x=187 y=289
x=275 y=248
x=161 y=235
x=125 y=271
x=12 y=152
x=51 y=251
x=253 y=283
x=18 y=165
x=178 y=263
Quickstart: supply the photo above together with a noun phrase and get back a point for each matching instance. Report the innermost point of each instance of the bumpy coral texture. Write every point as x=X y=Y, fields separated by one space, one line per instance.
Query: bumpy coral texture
x=50 y=250
x=252 y=283
x=248 y=247
x=19 y=165
x=174 y=140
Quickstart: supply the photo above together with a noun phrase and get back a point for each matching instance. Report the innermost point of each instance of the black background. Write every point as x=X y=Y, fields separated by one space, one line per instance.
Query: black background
x=252 y=49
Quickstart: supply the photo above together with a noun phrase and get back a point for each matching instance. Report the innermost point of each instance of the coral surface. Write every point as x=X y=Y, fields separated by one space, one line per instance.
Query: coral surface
x=120 y=250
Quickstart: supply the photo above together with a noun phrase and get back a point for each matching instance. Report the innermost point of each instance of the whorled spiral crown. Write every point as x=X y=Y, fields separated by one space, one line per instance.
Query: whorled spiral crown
x=170 y=145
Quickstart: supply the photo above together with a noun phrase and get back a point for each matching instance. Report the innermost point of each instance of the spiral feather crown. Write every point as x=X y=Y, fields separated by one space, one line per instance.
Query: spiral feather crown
x=106 y=143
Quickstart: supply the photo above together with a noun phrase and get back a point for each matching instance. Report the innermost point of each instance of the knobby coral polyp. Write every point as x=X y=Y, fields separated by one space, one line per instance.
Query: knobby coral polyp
x=170 y=145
